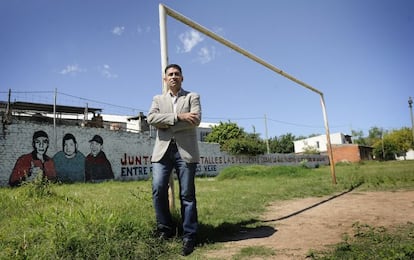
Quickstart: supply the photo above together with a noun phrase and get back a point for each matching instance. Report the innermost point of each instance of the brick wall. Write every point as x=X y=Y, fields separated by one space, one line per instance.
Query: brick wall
x=346 y=152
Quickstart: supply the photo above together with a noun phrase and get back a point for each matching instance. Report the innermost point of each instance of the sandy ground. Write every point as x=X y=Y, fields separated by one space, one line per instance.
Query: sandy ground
x=292 y=228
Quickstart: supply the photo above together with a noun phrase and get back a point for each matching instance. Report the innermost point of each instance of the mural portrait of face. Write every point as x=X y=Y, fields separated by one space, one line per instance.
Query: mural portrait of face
x=69 y=145
x=96 y=144
x=95 y=148
x=40 y=143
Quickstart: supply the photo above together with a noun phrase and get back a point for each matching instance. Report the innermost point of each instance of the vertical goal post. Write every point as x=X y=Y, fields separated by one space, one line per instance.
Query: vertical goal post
x=165 y=11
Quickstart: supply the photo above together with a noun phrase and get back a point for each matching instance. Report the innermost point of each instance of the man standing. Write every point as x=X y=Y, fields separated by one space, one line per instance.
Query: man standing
x=176 y=115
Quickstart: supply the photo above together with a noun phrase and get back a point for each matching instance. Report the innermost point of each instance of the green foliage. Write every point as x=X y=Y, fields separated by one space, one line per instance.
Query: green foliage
x=224 y=132
x=385 y=149
x=240 y=172
x=39 y=187
x=358 y=137
x=234 y=140
x=396 y=142
x=374 y=243
x=374 y=134
x=244 y=146
x=282 y=144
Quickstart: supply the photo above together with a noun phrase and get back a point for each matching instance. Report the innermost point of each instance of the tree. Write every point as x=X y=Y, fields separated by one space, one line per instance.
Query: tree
x=375 y=134
x=224 y=132
x=358 y=137
x=396 y=142
x=245 y=146
x=235 y=140
x=282 y=144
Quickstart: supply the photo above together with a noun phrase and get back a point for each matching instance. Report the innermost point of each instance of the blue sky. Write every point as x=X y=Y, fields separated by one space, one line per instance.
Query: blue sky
x=360 y=54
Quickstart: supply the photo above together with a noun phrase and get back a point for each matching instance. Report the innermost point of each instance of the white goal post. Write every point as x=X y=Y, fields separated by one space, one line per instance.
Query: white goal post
x=164 y=11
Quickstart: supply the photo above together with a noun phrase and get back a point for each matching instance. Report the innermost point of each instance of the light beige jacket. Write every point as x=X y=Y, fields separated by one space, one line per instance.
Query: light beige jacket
x=161 y=115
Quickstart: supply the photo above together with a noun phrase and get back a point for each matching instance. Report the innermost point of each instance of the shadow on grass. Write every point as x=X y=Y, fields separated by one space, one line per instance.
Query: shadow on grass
x=314 y=205
x=252 y=228
x=234 y=231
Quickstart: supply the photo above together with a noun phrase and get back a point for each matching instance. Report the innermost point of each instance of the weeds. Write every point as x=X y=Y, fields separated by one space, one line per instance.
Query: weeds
x=373 y=243
x=39 y=187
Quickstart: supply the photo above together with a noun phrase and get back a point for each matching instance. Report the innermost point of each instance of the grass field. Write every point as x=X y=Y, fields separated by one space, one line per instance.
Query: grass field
x=115 y=220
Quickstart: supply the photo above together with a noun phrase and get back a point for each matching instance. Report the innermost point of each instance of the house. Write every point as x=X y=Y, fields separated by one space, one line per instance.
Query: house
x=343 y=149
x=320 y=143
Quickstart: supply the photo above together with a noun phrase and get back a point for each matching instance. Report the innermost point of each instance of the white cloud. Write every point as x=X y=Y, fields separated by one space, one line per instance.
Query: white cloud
x=72 y=70
x=206 y=55
x=190 y=39
x=118 y=30
x=106 y=72
x=143 y=30
x=219 y=31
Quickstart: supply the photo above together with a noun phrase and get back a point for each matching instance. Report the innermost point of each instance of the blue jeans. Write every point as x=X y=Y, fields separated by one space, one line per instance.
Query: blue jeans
x=186 y=174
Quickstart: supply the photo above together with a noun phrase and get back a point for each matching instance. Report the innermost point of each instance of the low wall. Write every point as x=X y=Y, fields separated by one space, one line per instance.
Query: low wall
x=128 y=153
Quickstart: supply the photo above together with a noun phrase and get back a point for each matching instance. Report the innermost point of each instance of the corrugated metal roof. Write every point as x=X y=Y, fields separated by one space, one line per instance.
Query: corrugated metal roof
x=38 y=107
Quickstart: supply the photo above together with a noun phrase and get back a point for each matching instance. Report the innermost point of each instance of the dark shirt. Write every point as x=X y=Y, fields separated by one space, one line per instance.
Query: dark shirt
x=98 y=168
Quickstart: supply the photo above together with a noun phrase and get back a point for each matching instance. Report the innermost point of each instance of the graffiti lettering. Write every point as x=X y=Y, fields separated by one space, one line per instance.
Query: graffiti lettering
x=135 y=171
x=210 y=168
x=135 y=160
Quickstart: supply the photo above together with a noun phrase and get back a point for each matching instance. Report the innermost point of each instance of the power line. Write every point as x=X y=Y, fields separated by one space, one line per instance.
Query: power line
x=104 y=103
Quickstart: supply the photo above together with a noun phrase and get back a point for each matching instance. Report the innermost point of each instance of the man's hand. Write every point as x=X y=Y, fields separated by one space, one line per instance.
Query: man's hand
x=189 y=117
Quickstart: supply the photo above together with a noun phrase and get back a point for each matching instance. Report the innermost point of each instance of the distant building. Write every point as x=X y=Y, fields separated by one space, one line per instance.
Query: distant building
x=320 y=143
x=409 y=155
x=343 y=149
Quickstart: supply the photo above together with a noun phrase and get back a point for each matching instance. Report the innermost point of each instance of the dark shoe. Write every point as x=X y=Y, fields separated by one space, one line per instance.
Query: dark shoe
x=165 y=235
x=188 y=247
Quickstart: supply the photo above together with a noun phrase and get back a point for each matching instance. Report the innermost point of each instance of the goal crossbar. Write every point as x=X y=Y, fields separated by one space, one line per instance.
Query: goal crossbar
x=164 y=11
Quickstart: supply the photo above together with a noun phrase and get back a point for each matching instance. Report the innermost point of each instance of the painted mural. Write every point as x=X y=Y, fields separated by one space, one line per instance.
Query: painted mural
x=67 y=166
x=97 y=166
x=28 y=166
x=77 y=154
x=70 y=162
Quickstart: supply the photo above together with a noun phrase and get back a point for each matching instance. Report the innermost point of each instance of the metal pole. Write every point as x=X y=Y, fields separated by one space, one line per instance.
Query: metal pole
x=267 y=138
x=163 y=44
x=54 y=118
x=328 y=139
x=164 y=63
x=410 y=104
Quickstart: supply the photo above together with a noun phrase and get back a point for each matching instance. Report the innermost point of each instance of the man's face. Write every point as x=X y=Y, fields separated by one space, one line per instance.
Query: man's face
x=41 y=144
x=69 y=148
x=173 y=79
x=95 y=148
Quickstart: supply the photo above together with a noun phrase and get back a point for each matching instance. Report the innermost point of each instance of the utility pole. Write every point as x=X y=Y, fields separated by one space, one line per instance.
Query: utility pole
x=267 y=138
x=410 y=104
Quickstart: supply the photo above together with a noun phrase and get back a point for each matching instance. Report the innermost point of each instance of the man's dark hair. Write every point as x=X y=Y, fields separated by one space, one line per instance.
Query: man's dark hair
x=173 y=66
x=68 y=136
x=38 y=134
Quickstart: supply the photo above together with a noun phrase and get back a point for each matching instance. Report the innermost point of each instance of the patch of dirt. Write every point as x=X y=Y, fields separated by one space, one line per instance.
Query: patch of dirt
x=292 y=228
